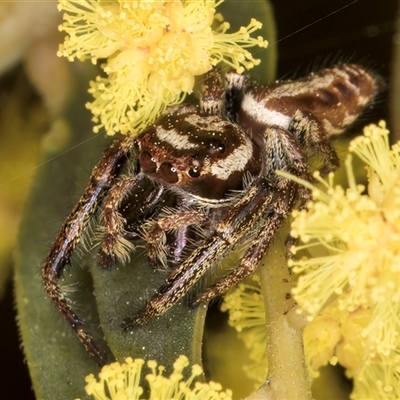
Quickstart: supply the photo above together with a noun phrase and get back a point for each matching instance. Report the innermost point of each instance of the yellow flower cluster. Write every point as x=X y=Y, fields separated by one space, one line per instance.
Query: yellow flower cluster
x=350 y=286
x=122 y=382
x=349 y=283
x=154 y=49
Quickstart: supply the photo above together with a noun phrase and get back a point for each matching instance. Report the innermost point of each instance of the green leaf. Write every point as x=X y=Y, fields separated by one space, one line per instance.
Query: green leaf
x=123 y=292
x=57 y=361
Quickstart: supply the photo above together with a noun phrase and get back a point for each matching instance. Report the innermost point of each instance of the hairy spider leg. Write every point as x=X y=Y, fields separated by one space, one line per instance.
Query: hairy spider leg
x=113 y=245
x=240 y=219
x=312 y=135
x=284 y=152
x=68 y=237
x=258 y=247
x=249 y=216
x=211 y=100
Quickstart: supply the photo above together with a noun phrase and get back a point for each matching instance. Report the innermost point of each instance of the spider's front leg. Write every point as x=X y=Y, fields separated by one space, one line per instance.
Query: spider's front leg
x=240 y=220
x=284 y=200
x=102 y=178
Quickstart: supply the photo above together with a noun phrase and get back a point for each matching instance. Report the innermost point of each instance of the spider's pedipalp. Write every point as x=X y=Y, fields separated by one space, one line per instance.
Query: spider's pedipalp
x=113 y=246
x=155 y=234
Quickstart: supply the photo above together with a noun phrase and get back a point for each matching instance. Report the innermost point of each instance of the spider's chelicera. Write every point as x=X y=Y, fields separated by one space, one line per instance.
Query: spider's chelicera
x=206 y=175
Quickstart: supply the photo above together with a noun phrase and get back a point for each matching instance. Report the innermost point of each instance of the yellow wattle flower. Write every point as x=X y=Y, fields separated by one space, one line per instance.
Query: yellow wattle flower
x=153 y=51
x=121 y=381
x=352 y=278
x=349 y=284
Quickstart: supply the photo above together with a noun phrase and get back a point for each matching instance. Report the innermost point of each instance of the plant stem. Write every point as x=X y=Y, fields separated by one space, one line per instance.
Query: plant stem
x=287 y=374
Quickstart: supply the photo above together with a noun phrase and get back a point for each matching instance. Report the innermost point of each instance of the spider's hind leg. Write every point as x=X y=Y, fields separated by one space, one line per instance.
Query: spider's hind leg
x=312 y=135
x=211 y=100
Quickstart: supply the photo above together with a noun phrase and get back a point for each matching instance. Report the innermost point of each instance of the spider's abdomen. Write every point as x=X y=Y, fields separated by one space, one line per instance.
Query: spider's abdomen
x=334 y=96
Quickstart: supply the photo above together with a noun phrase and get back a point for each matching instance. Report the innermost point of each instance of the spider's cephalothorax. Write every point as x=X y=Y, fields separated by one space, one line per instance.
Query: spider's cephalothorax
x=207 y=175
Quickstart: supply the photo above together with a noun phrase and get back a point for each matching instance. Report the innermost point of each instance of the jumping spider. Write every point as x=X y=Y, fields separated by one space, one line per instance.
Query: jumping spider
x=206 y=175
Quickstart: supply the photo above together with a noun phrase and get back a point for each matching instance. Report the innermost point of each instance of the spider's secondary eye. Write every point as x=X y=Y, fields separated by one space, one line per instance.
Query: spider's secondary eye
x=217 y=147
x=194 y=172
x=168 y=172
x=221 y=148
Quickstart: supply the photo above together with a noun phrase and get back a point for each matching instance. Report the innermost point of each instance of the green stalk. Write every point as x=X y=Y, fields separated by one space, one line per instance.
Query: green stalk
x=287 y=375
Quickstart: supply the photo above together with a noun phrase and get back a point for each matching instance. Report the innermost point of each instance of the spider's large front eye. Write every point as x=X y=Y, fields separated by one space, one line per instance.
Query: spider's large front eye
x=168 y=172
x=147 y=162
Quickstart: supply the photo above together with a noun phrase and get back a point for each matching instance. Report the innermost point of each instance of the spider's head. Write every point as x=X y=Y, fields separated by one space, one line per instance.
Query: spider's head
x=201 y=155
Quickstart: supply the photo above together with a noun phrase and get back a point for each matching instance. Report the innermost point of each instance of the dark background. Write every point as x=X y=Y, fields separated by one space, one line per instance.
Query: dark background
x=311 y=34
